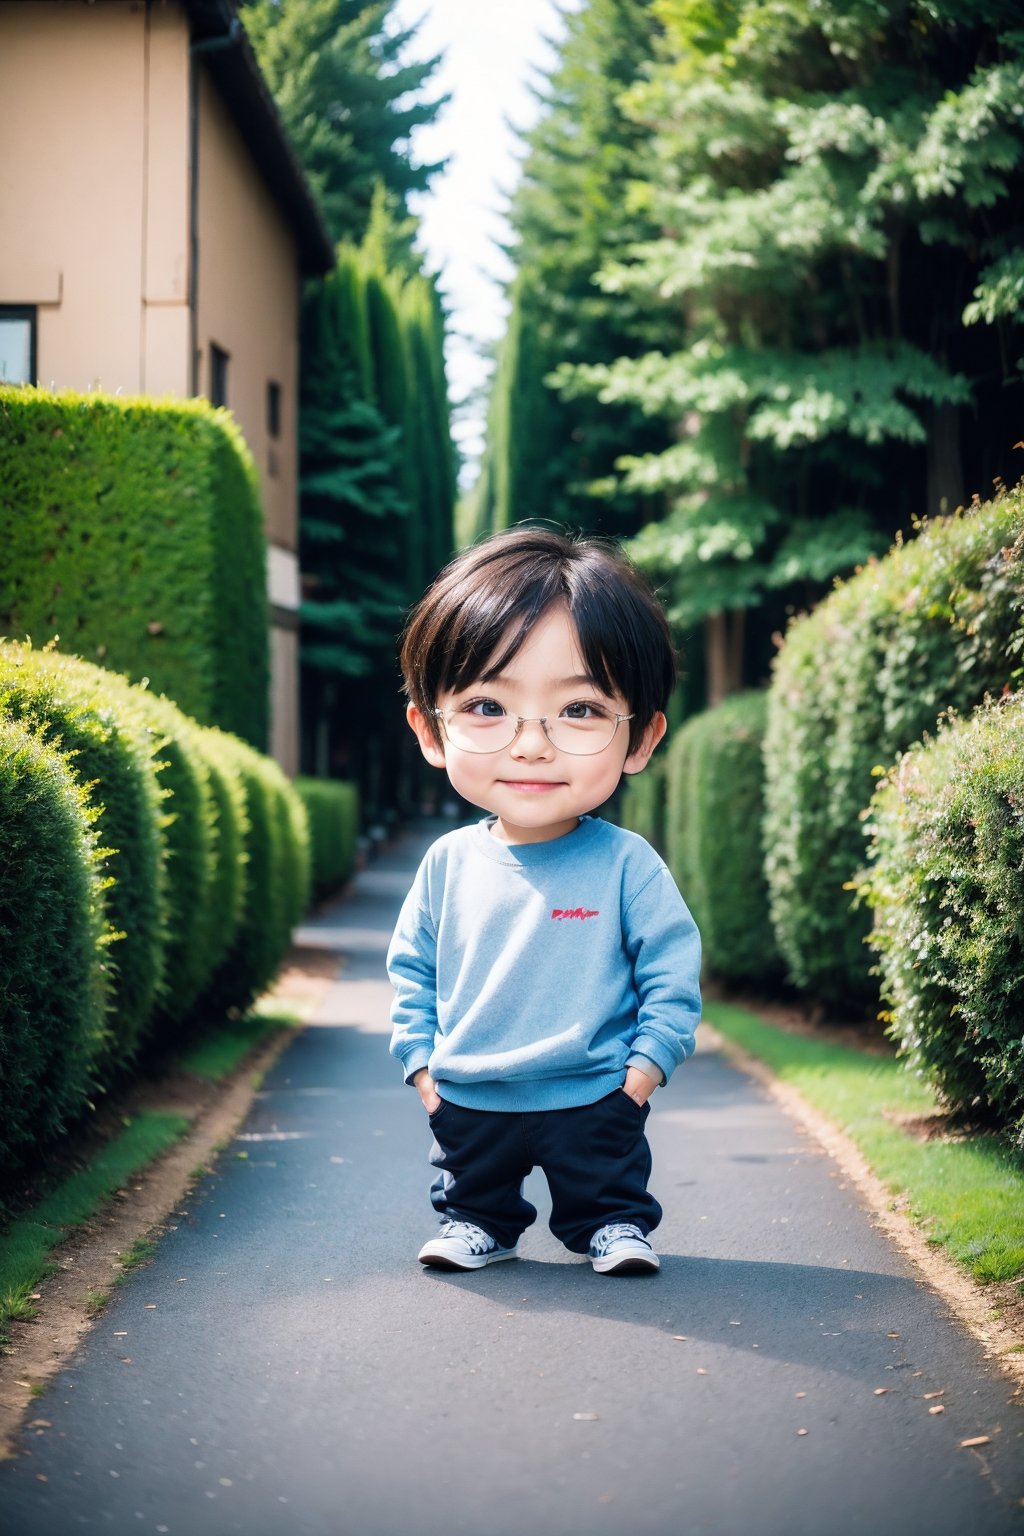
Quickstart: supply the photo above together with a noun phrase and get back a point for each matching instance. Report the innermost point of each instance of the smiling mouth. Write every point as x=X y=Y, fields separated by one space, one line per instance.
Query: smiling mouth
x=532 y=786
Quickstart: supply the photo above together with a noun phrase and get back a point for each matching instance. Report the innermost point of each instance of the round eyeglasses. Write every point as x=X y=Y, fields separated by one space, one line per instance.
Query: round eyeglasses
x=483 y=726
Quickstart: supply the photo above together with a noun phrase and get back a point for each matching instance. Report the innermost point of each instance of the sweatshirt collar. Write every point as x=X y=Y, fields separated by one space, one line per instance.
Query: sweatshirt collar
x=529 y=855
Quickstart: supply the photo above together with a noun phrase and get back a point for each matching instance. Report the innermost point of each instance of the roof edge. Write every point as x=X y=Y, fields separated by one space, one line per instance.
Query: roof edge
x=219 y=42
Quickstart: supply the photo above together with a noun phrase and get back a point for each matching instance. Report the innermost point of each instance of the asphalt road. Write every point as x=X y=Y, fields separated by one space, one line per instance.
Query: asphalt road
x=284 y=1367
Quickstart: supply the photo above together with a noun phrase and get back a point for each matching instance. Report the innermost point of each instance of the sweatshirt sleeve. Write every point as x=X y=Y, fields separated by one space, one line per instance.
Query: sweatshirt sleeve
x=412 y=968
x=662 y=941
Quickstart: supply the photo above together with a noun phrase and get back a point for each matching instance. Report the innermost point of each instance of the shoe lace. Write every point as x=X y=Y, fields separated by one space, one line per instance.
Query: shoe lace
x=475 y=1238
x=613 y=1231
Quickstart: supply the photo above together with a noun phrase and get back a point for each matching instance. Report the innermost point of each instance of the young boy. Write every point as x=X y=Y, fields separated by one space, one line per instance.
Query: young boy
x=545 y=967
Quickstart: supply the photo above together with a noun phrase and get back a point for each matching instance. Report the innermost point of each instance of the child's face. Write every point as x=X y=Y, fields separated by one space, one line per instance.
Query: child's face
x=536 y=792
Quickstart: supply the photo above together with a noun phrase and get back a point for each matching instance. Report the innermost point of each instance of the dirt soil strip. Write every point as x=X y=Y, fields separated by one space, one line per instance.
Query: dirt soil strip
x=1002 y=1336
x=87 y=1261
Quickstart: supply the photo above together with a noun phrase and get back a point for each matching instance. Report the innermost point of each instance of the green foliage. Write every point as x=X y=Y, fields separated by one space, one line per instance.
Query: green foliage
x=713 y=835
x=772 y=319
x=190 y=841
x=133 y=530
x=946 y=887
x=937 y=624
x=52 y=939
x=642 y=802
x=548 y=456
x=347 y=101
x=276 y=883
x=377 y=485
x=86 y=714
x=230 y=832
x=332 y=807
x=151 y=873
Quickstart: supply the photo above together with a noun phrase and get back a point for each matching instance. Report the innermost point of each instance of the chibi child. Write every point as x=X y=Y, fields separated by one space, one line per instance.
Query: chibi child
x=545 y=967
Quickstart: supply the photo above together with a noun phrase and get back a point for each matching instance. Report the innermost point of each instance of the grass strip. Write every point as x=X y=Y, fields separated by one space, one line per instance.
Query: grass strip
x=27 y=1245
x=217 y=1056
x=968 y=1196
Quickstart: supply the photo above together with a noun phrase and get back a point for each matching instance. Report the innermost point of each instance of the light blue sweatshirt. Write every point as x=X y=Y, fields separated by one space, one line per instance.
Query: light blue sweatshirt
x=529 y=977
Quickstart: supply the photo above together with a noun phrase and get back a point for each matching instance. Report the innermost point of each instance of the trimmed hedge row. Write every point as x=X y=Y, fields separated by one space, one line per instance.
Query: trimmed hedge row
x=187 y=858
x=713 y=836
x=53 y=936
x=642 y=801
x=133 y=530
x=946 y=887
x=332 y=807
x=937 y=624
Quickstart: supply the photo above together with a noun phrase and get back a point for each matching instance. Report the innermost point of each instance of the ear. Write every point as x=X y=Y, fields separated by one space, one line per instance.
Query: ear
x=653 y=732
x=424 y=731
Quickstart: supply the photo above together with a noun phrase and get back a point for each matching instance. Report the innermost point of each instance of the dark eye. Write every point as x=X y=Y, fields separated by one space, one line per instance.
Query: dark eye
x=584 y=711
x=484 y=709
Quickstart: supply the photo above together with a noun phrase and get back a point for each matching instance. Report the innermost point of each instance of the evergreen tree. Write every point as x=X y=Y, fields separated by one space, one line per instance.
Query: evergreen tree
x=548 y=456
x=831 y=183
x=348 y=102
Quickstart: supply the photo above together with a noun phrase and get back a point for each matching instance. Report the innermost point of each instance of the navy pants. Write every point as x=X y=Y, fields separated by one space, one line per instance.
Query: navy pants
x=595 y=1158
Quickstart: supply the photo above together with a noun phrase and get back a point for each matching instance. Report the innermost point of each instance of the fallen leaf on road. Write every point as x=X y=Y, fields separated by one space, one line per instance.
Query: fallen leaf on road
x=927 y=1396
x=881 y=1391
x=977 y=1440
x=40 y=1424
x=801 y=1394
x=892 y=1335
x=680 y=1336
x=126 y=1359
x=41 y=1477
x=801 y=1431
x=150 y=1306
x=122 y=1335
x=938 y=1408
x=701 y=1371
x=588 y=1417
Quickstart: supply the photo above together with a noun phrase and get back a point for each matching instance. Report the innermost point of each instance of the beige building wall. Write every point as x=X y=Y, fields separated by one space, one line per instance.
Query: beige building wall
x=248 y=307
x=72 y=83
x=96 y=233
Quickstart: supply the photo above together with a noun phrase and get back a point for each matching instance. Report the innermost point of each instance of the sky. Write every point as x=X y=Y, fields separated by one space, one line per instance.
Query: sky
x=493 y=49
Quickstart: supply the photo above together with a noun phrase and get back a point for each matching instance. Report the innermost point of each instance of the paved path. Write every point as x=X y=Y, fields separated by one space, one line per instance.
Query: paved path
x=285 y=1368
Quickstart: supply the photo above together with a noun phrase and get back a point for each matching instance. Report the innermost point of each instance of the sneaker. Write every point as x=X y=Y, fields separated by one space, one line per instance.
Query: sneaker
x=461 y=1245
x=620 y=1248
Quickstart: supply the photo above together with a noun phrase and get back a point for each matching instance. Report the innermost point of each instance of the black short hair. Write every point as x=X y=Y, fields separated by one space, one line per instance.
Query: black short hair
x=497 y=591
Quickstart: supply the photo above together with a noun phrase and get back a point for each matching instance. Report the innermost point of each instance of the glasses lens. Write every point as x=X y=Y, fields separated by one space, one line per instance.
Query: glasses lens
x=479 y=733
x=493 y=733
x=581 y=737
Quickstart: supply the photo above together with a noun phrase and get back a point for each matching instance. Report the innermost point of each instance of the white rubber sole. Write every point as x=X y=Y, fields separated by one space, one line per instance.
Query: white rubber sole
x=628 y=1261
x=437 y=1254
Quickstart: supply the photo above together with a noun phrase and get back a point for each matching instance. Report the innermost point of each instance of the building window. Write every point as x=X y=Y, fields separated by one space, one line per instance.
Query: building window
x=274 y=409
x=17 y=344
x=219 y=360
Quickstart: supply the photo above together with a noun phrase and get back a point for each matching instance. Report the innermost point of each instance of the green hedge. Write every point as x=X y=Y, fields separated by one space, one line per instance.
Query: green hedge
x=275 y=889
x=946 y=887
x=81 y=710
x=190 y=839
x=937 y=624
x=641 y=805
x=53 y=980
x=715 y=807
x=151 y=873
x=332 y=807
x=133 y=530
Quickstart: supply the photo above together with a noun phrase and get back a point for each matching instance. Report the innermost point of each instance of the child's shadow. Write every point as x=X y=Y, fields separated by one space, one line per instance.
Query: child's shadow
x=836 y=1319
